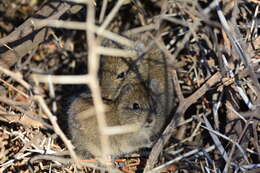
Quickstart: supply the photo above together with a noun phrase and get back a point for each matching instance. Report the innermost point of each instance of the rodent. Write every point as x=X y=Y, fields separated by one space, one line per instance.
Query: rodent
x=114 y=71
x=133 y=106
x=150 y=68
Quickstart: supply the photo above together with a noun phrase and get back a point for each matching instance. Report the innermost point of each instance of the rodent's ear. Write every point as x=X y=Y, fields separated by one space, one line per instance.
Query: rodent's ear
x=153 y=85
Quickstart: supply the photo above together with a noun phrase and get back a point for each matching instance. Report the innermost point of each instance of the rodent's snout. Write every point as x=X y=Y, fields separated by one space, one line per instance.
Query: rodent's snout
x=149 y=122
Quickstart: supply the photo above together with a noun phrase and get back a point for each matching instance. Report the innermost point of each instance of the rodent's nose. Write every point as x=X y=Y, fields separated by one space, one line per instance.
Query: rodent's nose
x=149 y=120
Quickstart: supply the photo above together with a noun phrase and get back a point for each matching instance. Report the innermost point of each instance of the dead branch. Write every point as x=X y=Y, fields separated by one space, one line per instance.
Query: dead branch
x=27 y=36
x=187 y=102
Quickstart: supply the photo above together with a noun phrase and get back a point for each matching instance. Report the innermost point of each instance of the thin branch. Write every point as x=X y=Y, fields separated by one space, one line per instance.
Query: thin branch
x=157 y=148
x=16 y=76
x=57 y=129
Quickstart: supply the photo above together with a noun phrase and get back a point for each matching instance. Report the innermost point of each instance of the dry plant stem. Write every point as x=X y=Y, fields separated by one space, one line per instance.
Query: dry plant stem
x=10 y=118
x=93 y=63
x=27 y=118
x=185 y=155
x=31 y=35
x=236 y=114
x=193 y=27
x=139 y=29
x=253 y=29
x=14 y=88
x=256 y=138
x=242 y=54
x=12 y=102
x=157 y=148
x=62 y=79
x=216 y=140
x=111 y=15
x=173 y=20
x=210 y=129
x=11 y=161
x=186 y=38
x=63 y=160
x=57 y=129
x=116 y=52
x=103 y=11
x=181 y=131
x=163 y=48
x=27 y=27
x=177 y=86
x=82 y=26
x=164 y=10
x=233 y=146
x=16 y=76
x=84 y=1
x=115 y=130
x=52 y=96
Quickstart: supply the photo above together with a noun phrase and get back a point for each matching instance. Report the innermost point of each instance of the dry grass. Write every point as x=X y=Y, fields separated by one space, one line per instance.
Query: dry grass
x=213 y=49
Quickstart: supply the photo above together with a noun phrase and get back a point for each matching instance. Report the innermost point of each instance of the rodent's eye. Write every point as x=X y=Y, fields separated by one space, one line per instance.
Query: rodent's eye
x=136 y=106
x=121 y=75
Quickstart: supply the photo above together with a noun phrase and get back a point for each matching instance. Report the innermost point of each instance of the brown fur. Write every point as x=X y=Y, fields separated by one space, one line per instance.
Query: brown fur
x=131 y=107
x=151 y=69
